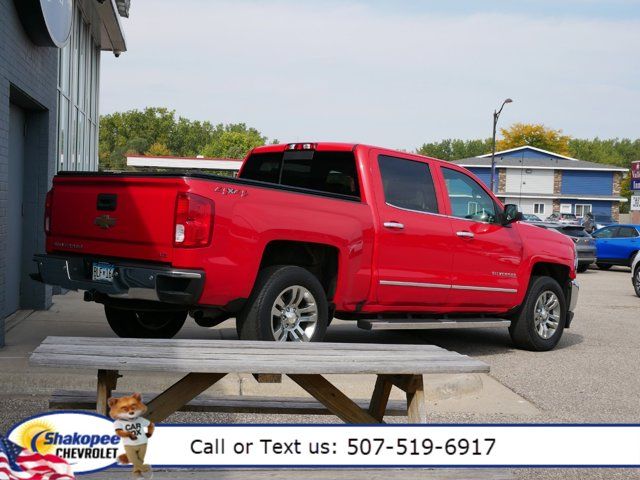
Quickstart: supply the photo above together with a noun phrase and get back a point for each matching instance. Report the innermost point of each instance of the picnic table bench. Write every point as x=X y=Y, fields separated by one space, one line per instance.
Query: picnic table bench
x=205 y=362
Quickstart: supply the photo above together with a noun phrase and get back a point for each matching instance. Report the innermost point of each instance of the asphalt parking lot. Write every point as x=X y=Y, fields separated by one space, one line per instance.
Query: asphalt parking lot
x=592 y=376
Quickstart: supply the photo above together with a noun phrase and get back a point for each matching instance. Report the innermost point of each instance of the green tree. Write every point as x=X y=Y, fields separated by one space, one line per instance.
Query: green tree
x=233 y=141
x=533 y=135
x=455 y=149
x=158 y=149
x=157 y=131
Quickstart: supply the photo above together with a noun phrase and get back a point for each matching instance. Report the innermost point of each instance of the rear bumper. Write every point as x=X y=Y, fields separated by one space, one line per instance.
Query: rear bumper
x=130 y=281
x=586 y=255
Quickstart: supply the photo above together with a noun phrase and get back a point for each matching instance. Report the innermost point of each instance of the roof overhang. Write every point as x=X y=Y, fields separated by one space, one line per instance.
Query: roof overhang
x=528 y=147
x=111 y=32
x=555 y=167
x=185 y=163
x=561 y=197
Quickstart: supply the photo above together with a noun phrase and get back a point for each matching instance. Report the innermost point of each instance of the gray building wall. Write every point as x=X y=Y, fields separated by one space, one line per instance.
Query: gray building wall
x=28 y=78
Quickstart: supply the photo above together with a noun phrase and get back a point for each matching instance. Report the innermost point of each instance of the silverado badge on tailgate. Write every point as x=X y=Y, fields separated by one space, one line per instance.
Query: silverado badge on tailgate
x=105 y=221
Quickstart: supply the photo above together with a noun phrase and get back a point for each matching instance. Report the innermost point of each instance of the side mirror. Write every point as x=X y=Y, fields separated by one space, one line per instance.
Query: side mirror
x=511 y=214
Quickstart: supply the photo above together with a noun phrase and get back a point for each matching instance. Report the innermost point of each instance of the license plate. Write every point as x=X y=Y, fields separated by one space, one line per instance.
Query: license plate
x=102 y=272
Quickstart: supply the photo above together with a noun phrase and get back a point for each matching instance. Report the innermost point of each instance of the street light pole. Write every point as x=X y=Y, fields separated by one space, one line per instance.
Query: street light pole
x=496 y=115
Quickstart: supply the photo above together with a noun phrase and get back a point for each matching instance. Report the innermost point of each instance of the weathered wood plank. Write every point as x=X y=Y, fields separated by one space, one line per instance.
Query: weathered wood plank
x=332 y=398
x=380 y=398
x=180 y=393
x=107 y=382
x=247 y=356
x=150 y=351
x=319 y=474
x=196 y=343
x=274 y=365
x=84 y=400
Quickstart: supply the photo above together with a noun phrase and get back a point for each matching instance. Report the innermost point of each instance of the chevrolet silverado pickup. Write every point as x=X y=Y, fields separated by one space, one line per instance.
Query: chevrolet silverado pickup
x=305 y=233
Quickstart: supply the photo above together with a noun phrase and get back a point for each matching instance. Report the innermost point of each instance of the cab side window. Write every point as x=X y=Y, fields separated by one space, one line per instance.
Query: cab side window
x=468 y=199
x=408 y=184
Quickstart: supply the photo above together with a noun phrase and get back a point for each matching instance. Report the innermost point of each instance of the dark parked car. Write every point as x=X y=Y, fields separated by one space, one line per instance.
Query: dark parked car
x=585 y=243
x=617 y=245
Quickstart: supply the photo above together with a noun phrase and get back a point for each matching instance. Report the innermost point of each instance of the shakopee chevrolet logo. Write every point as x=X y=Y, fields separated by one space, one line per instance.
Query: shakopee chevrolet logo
x=105 y=221
x=86 y=441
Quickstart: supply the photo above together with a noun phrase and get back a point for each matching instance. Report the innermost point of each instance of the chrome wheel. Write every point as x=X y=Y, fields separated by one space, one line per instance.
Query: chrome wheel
x=546 y=314
x=294 y=315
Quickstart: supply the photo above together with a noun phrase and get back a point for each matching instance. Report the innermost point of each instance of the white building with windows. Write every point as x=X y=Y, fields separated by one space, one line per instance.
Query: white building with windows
x=542 y=182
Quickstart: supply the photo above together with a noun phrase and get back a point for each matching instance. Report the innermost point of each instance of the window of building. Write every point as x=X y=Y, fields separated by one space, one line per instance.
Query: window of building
x=468 y=199
x=538 y=208
x=408 y=184
x=582 y=209
x=78 y=68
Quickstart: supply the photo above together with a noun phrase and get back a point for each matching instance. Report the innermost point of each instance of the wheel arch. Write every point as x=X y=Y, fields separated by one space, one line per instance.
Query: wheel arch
x=322 y=260
x=560 y=273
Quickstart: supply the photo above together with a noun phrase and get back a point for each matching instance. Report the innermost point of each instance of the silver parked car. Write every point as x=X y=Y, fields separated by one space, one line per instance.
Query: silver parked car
x=585 y=243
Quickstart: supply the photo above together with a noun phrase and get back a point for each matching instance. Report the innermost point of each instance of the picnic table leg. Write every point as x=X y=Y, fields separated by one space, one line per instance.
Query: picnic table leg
x=416 y=401
x=413 y=386
x=380 y=398
x=332 y=398
x=107 y=380
x=179 y=394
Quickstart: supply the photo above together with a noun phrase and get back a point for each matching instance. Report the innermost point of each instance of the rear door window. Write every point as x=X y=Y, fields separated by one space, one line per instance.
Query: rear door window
x=330 y=172
x=627 y=232
x=408 y=184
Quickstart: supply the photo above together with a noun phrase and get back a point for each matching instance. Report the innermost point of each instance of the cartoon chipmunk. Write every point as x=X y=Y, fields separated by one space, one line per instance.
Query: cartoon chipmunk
x=130 y=425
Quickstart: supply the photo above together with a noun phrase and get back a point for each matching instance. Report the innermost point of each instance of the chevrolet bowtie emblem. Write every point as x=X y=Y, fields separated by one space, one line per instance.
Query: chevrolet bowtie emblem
x=105 y=221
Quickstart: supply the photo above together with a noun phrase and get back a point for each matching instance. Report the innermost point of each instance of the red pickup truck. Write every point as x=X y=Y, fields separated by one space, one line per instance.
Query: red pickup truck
x=306 y=233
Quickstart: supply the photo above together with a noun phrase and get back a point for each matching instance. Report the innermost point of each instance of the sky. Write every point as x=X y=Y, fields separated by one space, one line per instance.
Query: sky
x=390 y=73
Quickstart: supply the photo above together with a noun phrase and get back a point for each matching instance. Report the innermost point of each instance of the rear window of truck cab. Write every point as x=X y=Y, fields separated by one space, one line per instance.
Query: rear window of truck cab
x=328 y=172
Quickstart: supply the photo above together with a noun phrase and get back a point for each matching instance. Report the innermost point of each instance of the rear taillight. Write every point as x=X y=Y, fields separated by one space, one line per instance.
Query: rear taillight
x=47 y=211
x=193 y=221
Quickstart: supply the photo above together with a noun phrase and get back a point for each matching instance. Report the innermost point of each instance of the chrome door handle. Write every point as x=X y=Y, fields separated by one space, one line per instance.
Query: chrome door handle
x=396 y=225
x=464 y=234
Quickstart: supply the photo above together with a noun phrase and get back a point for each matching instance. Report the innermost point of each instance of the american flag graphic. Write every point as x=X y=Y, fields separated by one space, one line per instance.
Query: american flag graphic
x=17 y=463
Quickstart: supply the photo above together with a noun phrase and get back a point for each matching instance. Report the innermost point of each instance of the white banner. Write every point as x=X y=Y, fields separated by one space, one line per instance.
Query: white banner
x=409 y=445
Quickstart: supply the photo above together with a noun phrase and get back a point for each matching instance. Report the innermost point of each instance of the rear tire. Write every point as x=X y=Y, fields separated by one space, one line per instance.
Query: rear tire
x=603 y=266
x=287 y=304
x=540 y=323
x=582 y=268
x=135 y=324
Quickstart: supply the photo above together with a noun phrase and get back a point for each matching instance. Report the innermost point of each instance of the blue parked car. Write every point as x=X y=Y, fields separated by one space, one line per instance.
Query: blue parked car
x=616 y=245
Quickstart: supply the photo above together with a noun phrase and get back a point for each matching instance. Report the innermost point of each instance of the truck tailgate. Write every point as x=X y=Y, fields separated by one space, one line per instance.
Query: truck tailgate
x=114 y=216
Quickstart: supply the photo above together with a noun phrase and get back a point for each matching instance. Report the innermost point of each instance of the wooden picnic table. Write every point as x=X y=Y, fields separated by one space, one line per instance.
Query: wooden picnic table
x=205 y=362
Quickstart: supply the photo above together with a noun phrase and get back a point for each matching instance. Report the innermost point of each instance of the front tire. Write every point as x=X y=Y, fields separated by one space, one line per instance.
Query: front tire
x=136 y=324
x=636 y=280
x=540 y=323
x=288 y=304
